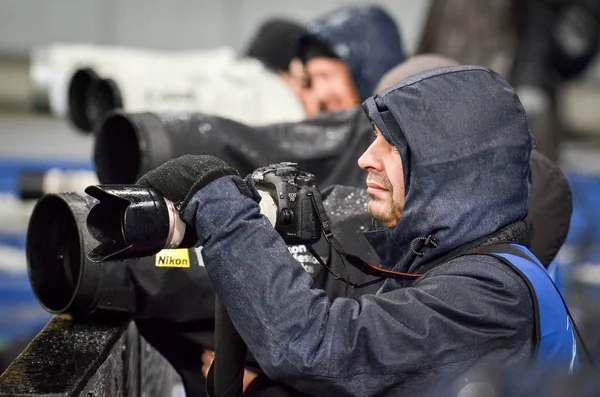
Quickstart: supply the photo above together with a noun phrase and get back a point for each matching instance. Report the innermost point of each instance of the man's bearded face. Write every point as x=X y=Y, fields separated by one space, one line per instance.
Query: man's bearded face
x=385 y=182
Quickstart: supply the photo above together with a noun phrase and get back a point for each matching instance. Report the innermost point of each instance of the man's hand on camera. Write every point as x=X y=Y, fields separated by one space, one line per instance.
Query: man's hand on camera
x=181 y=178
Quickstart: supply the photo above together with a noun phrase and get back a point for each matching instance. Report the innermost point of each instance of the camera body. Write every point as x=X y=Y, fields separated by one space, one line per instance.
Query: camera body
x=293 y=192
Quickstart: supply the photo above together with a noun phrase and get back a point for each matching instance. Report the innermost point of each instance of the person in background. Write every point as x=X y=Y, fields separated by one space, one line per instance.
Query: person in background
x=275 y=45
x=537 y=45
x=558 y=40
x=346 y=52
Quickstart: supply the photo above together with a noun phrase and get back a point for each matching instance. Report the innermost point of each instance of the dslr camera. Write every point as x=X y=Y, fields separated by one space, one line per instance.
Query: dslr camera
x=131 y=221
x=290 y=193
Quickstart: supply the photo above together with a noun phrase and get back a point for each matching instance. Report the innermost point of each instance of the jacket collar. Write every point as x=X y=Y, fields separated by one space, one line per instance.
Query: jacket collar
x=520 y=232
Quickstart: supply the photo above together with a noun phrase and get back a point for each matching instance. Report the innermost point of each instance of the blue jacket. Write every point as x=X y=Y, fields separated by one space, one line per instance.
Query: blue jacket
x=366 y=38
x=465 y=143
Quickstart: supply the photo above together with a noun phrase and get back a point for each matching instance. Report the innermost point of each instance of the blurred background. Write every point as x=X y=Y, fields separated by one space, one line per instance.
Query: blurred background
x=44 y=43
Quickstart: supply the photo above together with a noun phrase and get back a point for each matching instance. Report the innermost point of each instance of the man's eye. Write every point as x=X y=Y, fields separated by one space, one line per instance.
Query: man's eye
x=374 y=131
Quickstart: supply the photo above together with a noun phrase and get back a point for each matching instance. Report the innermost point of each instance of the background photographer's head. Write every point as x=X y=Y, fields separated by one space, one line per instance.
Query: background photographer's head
x=346 y=52
x=329 y=78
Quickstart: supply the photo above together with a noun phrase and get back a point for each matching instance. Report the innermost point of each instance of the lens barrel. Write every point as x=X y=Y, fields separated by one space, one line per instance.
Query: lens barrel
x=128 y=145
x=62 y=278
x=79 y=85
x=131 y=221
x=34 y=185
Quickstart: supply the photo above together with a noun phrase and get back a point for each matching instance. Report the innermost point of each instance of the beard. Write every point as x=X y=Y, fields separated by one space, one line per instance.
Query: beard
x=383 y=209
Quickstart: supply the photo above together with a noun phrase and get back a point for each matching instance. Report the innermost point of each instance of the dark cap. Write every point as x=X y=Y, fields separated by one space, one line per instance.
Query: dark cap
x=276 y=43
x=312 y=47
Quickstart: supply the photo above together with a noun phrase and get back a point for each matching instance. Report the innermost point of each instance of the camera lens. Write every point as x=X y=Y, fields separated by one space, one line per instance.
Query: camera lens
x=131 y=221
x=77 y=97
x=54 y=253
x=118 y=151
x=62 y=278
x=103 y=96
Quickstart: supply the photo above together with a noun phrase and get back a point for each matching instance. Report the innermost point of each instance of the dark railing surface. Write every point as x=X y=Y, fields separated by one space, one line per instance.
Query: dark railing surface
x=68 y=358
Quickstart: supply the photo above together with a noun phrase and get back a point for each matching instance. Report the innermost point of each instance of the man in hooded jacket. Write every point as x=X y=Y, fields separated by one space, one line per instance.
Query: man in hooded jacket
x=449 y=174
x=549 y=213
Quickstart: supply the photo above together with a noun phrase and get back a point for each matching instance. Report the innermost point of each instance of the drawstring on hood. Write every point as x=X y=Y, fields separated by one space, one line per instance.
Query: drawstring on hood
x=428 y=241
x=464 y=142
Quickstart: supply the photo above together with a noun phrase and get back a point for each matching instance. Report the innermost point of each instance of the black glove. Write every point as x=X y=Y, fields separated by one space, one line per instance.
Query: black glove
x=179 y=179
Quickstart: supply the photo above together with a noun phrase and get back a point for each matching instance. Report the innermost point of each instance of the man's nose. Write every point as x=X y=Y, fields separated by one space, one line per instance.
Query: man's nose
x=369 y=160
x=321 y=93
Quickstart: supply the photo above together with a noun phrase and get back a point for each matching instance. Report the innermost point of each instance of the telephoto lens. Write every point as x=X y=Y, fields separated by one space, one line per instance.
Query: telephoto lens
x=128 y=145
x=77 y=98
x=62 y=278
x=131 y=221
x=34 y=185
x=132 y=92
x=103 y=96
x=65 y=281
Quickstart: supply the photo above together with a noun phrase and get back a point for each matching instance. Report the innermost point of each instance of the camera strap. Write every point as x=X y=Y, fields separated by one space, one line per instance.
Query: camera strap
x=354 y=260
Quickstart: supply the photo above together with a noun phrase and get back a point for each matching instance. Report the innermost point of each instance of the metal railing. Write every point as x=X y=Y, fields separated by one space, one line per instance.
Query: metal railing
x=69 y=358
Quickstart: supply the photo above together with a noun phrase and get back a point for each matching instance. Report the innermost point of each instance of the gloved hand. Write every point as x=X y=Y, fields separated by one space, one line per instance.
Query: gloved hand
x=181 y=178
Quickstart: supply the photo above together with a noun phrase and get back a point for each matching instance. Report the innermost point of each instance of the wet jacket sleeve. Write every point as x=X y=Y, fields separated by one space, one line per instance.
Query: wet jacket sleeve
x=347 y=347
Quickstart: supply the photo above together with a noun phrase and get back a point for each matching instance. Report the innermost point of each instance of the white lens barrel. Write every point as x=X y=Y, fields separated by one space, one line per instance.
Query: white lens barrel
x=59 y=181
